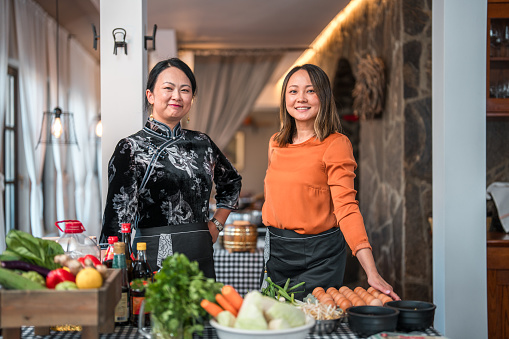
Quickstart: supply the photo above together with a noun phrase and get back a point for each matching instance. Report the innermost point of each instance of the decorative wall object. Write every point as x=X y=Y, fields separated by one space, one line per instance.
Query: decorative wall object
x=369 y=90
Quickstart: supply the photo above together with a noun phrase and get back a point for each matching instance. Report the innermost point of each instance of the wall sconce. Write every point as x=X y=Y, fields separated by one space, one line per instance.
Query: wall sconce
x=57 y=128
x=119 y=38
x=153 y=38
x=96 y=37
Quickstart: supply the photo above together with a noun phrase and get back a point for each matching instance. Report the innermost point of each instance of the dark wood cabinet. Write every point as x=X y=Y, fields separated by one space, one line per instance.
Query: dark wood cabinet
x=497 y=59
x=498 y=284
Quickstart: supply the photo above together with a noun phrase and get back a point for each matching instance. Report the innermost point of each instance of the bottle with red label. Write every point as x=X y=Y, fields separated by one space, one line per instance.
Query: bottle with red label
x=108 y=256
x=129 y=256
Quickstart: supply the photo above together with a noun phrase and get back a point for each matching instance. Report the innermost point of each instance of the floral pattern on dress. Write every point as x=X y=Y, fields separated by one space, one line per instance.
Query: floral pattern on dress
x=177 y=210
x=163 y=177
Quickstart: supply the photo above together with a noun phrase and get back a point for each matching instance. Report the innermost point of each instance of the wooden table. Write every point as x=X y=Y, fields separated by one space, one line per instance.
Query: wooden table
x=498 y=284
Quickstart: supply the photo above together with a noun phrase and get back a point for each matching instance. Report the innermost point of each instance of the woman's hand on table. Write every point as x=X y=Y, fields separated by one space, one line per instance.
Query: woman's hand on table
x=365 y=257
x=377 y=282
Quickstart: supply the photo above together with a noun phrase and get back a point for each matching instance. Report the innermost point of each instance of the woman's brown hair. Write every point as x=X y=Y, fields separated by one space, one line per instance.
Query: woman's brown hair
x=327 y=120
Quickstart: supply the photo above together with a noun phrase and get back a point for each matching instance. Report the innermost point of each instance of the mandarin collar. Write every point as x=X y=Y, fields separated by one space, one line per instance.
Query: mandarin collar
x=162 y=129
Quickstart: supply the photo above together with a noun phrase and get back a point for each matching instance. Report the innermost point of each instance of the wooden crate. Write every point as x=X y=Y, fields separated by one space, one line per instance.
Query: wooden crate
x=93 y=309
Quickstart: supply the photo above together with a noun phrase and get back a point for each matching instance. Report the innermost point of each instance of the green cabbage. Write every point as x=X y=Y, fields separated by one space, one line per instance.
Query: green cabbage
x=290 y=313
x=225 y=318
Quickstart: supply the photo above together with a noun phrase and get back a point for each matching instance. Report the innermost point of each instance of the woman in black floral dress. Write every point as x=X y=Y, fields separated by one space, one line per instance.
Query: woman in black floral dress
x=160 y=178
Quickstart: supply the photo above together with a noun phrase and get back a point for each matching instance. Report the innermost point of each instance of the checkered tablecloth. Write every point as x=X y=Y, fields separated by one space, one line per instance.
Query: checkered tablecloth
x=239 y=269
x=242 y=270
x=129 y=332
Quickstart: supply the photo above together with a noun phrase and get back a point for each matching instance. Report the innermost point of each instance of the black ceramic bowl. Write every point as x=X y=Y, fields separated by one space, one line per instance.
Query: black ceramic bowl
x=413 y=315
x=369 y=320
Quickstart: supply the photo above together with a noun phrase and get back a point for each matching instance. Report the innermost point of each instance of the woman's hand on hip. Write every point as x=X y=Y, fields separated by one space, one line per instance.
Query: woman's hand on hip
x=214 y=232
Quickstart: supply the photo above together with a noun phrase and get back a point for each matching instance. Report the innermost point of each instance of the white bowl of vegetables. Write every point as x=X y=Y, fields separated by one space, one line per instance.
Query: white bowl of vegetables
x=300 y=332
x=263 y=317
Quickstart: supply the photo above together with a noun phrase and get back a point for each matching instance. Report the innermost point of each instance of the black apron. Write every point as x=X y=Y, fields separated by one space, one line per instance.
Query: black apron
x=193 y=240
x=317 y=259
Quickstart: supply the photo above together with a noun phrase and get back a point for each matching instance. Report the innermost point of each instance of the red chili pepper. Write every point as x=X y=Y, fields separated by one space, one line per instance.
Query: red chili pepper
x=95 y=261
x=57 y=276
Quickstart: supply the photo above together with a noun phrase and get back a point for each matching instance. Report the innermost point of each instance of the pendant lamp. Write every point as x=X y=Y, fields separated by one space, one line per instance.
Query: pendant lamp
x=57 y=126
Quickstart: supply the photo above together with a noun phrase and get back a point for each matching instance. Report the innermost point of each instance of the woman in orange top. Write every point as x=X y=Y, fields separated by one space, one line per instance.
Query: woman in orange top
x=310 y=208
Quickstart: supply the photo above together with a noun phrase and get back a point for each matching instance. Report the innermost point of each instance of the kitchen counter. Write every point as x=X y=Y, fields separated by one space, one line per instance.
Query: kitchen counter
x=127 y=332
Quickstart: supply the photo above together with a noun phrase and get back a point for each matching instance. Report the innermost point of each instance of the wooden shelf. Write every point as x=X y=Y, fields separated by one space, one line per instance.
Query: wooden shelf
x=498 y=284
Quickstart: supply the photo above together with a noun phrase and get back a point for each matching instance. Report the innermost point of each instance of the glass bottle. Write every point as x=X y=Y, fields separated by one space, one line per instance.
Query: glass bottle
x=141 y=271
x=122 y=310
x=108 y=256
x=129 y=256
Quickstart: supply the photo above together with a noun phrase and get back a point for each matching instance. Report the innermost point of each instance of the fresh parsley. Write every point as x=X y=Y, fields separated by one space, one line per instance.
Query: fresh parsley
x=175 y=295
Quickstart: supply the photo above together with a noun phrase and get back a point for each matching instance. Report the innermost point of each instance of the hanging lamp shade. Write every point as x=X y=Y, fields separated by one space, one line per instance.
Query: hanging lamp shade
x=58 y=128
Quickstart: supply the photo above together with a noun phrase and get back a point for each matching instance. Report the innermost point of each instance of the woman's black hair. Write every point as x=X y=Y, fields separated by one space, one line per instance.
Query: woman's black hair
x=161 y=66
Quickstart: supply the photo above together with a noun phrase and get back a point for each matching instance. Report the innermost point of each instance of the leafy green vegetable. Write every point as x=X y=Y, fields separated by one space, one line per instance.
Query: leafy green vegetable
x=33 y=250
x=35 y=277
x=175 y=295
x=139 y=284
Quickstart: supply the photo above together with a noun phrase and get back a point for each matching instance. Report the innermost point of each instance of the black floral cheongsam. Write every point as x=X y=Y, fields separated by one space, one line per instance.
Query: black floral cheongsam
x=160 y=180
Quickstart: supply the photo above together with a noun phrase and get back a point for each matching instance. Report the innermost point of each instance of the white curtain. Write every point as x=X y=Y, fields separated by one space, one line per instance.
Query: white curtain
x=228 y=86
x=84 y=103
x=31 y=33
x=4 y=56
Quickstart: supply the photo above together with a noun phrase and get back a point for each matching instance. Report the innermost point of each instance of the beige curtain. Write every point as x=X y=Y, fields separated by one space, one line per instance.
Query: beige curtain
x=228 y=86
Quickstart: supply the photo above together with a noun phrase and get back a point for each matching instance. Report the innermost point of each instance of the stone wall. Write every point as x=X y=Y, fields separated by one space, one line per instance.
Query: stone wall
x=395 y=149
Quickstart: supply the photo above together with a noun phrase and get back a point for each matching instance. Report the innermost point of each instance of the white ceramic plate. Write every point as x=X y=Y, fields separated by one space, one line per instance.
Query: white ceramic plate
x=300 y=332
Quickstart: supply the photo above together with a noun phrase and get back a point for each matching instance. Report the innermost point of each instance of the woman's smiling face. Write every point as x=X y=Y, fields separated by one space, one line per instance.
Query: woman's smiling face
x=172 y=96
x=302 y=102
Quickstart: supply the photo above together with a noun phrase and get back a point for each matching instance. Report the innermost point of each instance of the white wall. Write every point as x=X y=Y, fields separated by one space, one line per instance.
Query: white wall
x=123 y=76
x=257 y=136
x=459 y=167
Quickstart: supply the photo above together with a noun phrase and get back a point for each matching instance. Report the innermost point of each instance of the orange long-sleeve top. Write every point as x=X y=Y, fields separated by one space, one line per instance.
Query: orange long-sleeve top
x=309 y=188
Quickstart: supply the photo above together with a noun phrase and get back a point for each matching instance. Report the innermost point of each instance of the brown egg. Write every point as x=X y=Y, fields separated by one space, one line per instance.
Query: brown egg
x=357 y=289
x=318 y=289
x=326 y=296
x=359 y=302
x=368 y=298
x=375 y=293
x=354 y=299
x=345 y=304
x=342 y=289
x=331 y=290
x=376 y=302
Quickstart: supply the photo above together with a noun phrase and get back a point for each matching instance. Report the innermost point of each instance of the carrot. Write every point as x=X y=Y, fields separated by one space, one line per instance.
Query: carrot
x=211 y=308
x=232 y=296
x=221 y=300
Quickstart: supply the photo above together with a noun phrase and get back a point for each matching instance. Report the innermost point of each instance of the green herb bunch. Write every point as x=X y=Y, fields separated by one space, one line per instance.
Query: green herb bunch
x=175 y=295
